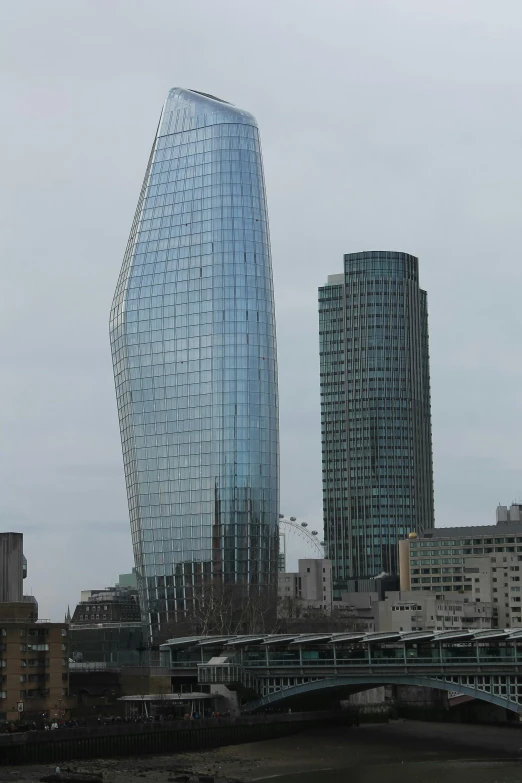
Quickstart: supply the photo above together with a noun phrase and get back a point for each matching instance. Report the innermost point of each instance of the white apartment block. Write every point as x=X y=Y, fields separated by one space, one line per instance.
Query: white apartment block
x=308 y=588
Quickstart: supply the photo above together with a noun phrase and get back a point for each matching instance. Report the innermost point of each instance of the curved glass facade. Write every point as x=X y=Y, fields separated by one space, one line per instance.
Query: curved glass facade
x=194 y=354
x=375 y=412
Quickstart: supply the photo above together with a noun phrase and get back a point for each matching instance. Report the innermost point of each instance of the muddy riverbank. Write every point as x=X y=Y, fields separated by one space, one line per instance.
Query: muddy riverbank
x=405 y=750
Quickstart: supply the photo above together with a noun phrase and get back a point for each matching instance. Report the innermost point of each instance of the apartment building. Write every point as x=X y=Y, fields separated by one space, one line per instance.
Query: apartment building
x=34 y=665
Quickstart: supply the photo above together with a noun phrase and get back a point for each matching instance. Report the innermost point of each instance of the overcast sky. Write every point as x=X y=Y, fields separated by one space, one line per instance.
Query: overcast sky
x=385 y=124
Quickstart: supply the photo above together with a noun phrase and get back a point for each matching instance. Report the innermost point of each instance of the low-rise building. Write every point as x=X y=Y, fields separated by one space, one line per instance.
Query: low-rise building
x=410 y=610
x=106 y=625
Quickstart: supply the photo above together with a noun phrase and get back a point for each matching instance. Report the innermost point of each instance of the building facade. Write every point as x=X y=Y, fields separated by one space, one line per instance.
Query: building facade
x=106 y=625
x=194 y=354
x=34 y=665
x=483 y=562
x=12 y=570
x=511 y=514
x=111 y=605
x=410 y=611
x=375 y=412
x=308 y=588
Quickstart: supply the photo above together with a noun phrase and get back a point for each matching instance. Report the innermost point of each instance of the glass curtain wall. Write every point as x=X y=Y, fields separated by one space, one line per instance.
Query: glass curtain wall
x=375 y=412
x=194 y=354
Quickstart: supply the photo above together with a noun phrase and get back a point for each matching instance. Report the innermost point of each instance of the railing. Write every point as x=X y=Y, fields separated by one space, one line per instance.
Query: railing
x=130 y=668
x=399 y=661
x=77 y=666
x=232 y=672
x=227 y=674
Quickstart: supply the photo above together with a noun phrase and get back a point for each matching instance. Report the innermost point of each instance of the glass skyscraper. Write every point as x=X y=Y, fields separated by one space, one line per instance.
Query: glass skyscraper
x=375 y=412
x=193 y=342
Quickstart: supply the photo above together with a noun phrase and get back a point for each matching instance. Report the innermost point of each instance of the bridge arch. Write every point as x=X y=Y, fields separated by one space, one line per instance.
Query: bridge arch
x=332 y=683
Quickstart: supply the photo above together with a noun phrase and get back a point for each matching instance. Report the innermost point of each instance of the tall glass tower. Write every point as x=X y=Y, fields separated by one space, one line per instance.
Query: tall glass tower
x=193 y=341
x=375 y=412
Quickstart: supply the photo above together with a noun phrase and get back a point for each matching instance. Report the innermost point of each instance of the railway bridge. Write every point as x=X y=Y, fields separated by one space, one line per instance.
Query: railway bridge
x=275 y=669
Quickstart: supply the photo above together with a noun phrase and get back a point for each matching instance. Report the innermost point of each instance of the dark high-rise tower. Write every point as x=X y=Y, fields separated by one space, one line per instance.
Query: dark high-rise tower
x=375 y=412
x=194 y=354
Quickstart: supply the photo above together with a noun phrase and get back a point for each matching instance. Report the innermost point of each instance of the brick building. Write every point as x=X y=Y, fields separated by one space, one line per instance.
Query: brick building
x=34 y=665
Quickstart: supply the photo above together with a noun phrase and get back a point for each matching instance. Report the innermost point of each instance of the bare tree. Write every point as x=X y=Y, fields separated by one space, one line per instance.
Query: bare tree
x=215 y=609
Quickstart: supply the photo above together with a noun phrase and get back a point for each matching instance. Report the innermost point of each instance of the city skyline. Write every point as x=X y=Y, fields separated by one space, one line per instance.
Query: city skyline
x=375 y=141
x=375 y=412
x=194 y=353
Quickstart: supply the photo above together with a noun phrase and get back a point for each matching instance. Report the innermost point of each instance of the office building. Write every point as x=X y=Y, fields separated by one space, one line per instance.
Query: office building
x=128 y=580
x=106 y=625
x=194 y=354
x=482 y=562
x=410 y=611
x=307 y=589
x=111 y=605
x=375 y=412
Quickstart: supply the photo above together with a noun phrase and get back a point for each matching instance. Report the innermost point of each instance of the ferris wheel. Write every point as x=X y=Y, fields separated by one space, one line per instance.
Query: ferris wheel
x=290 y=526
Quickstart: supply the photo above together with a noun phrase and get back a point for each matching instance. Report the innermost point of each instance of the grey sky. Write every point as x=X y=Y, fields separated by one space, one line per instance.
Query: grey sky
x=385 y=125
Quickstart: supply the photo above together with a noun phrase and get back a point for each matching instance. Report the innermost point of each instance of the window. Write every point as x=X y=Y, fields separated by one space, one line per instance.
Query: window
x=39 y=677
x=35 y=647
x=3 y=694
x=23 y=677
x=64 y=631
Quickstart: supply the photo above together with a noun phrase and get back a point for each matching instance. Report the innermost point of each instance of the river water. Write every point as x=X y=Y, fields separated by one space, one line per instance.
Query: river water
x=413 y=772
x=403 y=752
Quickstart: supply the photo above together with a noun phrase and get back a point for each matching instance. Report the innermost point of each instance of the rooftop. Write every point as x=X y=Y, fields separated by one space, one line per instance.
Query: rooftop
x=230 y=642
x=502 y=528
